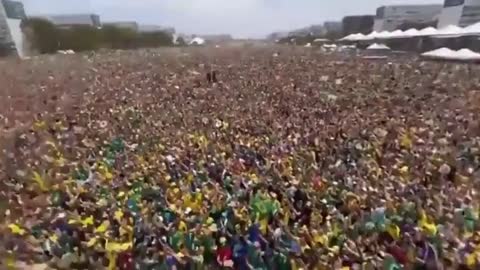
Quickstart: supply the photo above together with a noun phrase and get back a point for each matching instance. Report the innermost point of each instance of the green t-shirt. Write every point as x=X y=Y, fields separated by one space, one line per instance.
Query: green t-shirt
x=191 y=241
x=255 y=258
x=208 y=244
x=176 y=240
x=281 y=261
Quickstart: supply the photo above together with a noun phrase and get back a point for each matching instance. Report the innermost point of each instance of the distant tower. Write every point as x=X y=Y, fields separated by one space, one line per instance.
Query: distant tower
x=460 y=13
x=11 y=36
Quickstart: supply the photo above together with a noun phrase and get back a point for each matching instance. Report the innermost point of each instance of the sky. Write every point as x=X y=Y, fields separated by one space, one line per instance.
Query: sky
x=241 y=18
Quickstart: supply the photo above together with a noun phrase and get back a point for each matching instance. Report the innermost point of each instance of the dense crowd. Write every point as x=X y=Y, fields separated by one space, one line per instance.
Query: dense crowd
x=238 y=158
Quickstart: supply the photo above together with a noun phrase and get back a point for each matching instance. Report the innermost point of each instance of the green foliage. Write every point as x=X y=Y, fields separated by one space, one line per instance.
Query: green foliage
x=46 y=38
x=79 y=38
x=118 y=38
x=153 y=39
x=181 y=41
x=42 y=35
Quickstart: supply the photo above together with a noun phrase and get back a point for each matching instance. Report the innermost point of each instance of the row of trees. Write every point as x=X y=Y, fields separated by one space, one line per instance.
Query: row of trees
x=44 y=37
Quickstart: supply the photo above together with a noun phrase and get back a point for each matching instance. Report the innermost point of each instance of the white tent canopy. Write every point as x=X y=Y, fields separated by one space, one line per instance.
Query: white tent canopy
x=355 y=37
x=372 y=35
x=448 y=54
x=410 y=32
x=448 y=31
x=376 y=46
x=383 y=34
x=197 y=41
x=472 y=29
x=467 y=54
x=396 y=34
x=329 y=46
x=427 y=31
x=440 y=53
x=348 y=37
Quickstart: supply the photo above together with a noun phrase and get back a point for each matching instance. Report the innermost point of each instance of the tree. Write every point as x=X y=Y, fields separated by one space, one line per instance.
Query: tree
x=181 y=41
x=80 y=38
x=118 y=38
x=42 y=35
x=154 y=39
x=46 y=38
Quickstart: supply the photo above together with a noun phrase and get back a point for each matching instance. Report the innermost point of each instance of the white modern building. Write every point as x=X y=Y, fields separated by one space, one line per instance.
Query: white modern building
x=11 y=35
x=389 y=18
x=460 y=13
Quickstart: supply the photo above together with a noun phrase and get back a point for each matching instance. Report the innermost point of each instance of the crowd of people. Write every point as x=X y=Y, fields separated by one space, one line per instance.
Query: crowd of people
x=238 y=158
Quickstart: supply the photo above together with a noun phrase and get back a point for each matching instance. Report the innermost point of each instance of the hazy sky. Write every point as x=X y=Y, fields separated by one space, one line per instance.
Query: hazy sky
x=242 y=18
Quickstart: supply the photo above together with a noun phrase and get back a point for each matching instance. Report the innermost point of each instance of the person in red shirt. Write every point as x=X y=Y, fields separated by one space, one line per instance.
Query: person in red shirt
x=224 y=254
x=398 y=253
x=125 y=261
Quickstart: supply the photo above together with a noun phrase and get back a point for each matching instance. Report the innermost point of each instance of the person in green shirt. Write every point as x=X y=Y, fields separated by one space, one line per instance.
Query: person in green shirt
x=255 y=257
x=176 y=240
x=191 y=241
x=281 y=261
x=208 y=245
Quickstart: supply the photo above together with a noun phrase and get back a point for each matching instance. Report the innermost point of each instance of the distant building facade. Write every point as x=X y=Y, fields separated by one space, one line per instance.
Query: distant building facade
x=331 y=26
x=314 y=30
x=277 y=35
x=11 y=35
x=357 y=24
x=217 y=38
x=124 y=25
x=460 y=13
x=69 y=20
x=156 y=28
x=389 y=18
